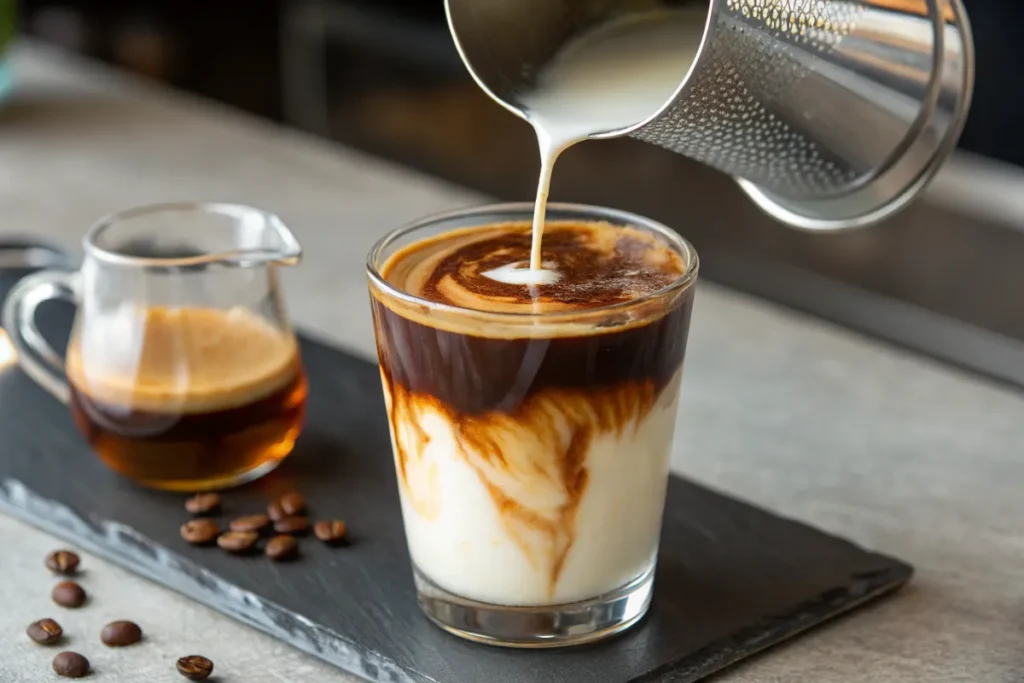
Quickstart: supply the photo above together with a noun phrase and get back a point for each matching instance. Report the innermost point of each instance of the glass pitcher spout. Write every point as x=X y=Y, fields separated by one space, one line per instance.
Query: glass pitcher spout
x=193 y=234
x=274 y=242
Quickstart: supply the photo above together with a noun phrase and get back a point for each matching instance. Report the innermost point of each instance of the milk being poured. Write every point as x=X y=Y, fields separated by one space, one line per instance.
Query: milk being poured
x=613 y=77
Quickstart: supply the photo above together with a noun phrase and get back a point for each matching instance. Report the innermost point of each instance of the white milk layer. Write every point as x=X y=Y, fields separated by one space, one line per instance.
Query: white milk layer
x=461 y=540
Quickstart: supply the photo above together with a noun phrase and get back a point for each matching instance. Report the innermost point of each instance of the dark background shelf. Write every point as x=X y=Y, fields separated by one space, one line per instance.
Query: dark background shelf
x=383 y=76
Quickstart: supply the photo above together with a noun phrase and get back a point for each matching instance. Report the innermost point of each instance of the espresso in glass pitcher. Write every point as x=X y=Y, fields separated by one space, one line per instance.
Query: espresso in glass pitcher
x=182 y=371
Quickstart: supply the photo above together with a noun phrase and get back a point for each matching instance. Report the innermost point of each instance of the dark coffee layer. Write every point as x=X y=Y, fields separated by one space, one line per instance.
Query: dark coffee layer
x=523 y=413
x=163 y=447
x=178 y=427
x=473 y=375
x=593 y=264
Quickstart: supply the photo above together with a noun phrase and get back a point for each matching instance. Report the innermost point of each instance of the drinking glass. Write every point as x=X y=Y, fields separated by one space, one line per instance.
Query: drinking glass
x=532 y=449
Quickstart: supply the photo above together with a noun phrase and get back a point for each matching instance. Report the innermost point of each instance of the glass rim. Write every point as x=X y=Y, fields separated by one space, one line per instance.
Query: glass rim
x=91 y=242
x=625 y=218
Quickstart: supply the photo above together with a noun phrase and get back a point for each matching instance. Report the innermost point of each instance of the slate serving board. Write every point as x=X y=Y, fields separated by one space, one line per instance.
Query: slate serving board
x=732 y=579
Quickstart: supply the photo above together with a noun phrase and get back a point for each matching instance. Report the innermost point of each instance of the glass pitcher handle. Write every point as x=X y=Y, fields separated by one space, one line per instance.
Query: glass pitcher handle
x=35 y=355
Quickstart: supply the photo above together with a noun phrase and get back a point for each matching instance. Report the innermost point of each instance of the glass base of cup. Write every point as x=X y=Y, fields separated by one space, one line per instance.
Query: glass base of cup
x=544 y=626
x=214 y=483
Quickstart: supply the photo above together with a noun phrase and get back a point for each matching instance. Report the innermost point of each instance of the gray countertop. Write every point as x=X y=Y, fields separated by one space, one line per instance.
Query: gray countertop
x=889 y=449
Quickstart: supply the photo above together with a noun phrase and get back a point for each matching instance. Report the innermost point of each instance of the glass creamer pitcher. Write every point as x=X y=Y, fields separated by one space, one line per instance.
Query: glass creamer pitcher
x=182 y=371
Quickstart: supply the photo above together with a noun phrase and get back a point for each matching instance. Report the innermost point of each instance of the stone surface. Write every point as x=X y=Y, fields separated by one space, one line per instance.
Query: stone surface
x=895 y=452
x=731 y=580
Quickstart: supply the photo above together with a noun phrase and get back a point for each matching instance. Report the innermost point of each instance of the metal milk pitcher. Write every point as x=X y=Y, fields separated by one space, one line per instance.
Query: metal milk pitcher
x=830 y=114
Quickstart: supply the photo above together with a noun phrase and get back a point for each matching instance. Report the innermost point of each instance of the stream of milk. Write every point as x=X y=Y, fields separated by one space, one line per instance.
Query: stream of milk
x=608 y=79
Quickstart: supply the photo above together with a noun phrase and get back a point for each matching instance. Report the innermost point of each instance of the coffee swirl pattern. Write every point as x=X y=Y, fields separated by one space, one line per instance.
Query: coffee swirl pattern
x=538 y=458
x=594 y=264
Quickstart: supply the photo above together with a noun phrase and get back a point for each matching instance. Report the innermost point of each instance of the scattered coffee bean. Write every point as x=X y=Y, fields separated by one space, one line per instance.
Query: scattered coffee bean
x=331 y=532
x=282 y=548
x=70 y=665
x=121 y=633
x=250 y=523
x=295 y=525
x=203 y=503
x=45 y=631
x=68 y=594
x=195 y=667
x=62 y=562
x=200 y=531
x=275 y=512
x=237 y=541
x=292 y=503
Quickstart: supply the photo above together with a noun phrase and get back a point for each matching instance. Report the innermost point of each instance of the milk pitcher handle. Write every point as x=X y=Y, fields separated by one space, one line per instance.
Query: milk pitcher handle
x=35 y=355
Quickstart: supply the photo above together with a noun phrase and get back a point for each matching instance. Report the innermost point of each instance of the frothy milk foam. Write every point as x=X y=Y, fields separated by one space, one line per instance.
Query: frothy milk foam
x=180 y=360
x=608 y=79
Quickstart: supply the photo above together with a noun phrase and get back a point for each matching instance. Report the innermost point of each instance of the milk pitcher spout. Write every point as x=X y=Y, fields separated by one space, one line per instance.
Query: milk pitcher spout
x=830 y=114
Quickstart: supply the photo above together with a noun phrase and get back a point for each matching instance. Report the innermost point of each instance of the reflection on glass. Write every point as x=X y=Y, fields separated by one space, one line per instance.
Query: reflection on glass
x=8 y=357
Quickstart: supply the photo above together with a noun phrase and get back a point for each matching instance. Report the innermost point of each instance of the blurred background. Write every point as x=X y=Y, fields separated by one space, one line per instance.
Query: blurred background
x=383 y=76
x=325 y=63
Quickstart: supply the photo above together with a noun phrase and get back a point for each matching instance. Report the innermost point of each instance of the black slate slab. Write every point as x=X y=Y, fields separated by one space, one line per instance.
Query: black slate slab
x=732 y=579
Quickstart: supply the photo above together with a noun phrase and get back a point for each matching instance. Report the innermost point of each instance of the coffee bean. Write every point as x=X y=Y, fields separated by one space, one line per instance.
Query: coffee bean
x=121 y=633
x=195 y=667
x=68 y=594
x=292 y=503
x=250 y=523
x=200 y=531
x=45 y=631
x=275 y=512
x=331 y=532
x=70 y=665
x=203 y=504
x=62 y=562
x=282 y=548
x=295 y=525
x=237 y=541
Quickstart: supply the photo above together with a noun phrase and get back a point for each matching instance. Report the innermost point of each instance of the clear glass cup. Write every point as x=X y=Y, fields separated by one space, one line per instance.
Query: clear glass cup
x=532 y=450
x=182 y=371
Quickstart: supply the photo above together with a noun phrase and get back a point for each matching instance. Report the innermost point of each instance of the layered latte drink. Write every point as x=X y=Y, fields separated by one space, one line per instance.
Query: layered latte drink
x=532 y=414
